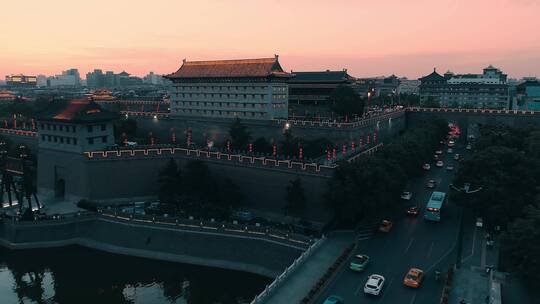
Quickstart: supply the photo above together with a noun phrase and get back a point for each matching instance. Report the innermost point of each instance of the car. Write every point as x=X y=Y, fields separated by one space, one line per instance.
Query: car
x=359 y=262
x=450 y=151
x=242 y=215
x=431 y=184
x=406 y=195
x=333 y=299
x=374 y=284
x=413 y=210
x=450 y=167
x=456 y=156
x=426 y=166
x=479 y=222
x=468 y=147
x=439 y=163
x=385 y=226
x=435 y=157
x=451 y=143
x=439 y=152
x=413 y=278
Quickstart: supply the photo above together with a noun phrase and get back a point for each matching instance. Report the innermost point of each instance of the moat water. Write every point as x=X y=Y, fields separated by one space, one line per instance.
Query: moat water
x=80 y=275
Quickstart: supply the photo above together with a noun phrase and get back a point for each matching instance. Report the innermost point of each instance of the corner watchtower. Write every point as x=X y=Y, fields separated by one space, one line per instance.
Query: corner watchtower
x=65 y=131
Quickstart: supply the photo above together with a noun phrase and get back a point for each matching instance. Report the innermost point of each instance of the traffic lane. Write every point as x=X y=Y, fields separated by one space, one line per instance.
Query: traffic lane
x=392 y=255
x=428 y=247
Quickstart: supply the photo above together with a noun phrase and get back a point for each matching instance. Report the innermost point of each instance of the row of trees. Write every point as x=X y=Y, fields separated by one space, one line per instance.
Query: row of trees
x=373 y=184
x=506 y=164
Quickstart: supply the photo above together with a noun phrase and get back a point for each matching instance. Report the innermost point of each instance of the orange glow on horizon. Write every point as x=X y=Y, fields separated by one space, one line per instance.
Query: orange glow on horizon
x=406 y=38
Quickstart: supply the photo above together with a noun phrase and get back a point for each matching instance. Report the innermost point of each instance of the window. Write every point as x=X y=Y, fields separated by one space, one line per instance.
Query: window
x=61 y=128
x=61 y=139
x=90 y=129
x=103 y=127
x=104 y=139
x=55 y=138
x=43 y=137
x=90 y=141
x=74 y=141
x=68 y=140
x=42 y=126
x=54 y=127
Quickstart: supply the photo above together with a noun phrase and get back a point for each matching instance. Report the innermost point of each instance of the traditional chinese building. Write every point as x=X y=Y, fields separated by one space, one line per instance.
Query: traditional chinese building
x=66 y=130
x=486 y=90
x=315 y=87
x=248 y=89
x=6 y=95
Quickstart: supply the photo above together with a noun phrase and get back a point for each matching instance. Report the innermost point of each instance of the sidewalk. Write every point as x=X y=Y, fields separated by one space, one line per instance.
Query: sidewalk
x=297 y=286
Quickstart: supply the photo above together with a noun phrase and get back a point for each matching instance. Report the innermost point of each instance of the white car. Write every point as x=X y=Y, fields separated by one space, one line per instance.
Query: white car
x=450 y=151
x=451 y=143
x=438 y=152
x=406 y=195
x=468 y=147
x=374 y=284
x=439 y=164
x=449 y=167
x=426 y=166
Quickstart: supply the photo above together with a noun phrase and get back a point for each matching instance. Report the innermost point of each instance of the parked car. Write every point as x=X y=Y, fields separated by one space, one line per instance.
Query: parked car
x=450 y=167
x=385 y=226
x=374 y=284
x=359 y=262
x=413 y=210
x=426 y=166
x=456 y=156
x=450 y=151
x=242 y=215
x=406 y=195
x=468 y=147
x=413 y=278
x=439 y=163
x=438 y=152
x=479 y=222
x=431 y=184
x=334 y=300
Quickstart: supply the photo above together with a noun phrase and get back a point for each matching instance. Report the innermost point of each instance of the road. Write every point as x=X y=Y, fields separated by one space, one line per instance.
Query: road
x=413 y=242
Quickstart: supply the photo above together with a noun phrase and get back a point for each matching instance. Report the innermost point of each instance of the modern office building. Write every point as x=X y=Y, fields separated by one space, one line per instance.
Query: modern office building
x=21 y=81
x=312 y=88
x=378 y=86
x=247 y=88
x=408 y=86
x=527 y=95
x=486 y=90
x=68 y=79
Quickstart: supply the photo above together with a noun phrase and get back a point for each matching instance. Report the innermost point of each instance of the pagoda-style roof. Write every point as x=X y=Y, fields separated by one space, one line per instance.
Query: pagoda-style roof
x=241 y=68
x=80 y=110
x=322 y=76
x=434 y=76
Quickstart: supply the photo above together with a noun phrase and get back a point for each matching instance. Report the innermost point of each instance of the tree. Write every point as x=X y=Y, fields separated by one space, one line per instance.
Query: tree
x=230 y=195
x=126 y=126
x=261 y=145
x=239 y=134
x=169 y=183
x=345 y=101
x=521 y=245
x=289 y=144
x=296 y=199
x=198 y=184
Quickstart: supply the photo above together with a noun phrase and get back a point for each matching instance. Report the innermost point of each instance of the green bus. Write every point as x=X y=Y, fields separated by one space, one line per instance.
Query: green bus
x=434 y=206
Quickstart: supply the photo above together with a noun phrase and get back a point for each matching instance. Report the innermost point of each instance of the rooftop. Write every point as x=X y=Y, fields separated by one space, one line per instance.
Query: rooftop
x=321 y=76
x=261 y=67
x=80 y=110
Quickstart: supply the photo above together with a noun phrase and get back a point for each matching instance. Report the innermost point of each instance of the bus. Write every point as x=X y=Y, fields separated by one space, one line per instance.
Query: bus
x=434 y=206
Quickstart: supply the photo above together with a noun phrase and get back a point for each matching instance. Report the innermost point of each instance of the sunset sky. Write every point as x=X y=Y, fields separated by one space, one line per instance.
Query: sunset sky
x=369 y=38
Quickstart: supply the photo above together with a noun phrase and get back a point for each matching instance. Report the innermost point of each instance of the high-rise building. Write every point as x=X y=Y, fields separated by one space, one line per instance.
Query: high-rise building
x=68 y=79
x=527 y=96
x=21 y=81
x=247 y=88
x=486 y=90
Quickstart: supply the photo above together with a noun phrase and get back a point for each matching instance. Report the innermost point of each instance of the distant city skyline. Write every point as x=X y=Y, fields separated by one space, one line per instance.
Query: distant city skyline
x=369 y=39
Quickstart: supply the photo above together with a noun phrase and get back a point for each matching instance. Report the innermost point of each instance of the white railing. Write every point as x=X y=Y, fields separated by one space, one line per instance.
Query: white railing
x=268 y=291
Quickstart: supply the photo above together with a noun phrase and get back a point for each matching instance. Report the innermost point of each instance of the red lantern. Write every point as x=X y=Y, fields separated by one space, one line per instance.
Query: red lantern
x=274 y=150
x=367 y=139
x=343 y=149
x=334 y=154
x=301 y=153
x=353 y=145
x=328 y=154
x=250 y=148
x=189 y=137
x=361 y=143
x=228 y=146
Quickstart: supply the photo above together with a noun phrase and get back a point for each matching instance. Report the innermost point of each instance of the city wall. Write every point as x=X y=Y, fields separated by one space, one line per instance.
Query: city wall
x=217 y=130
x=250 y=249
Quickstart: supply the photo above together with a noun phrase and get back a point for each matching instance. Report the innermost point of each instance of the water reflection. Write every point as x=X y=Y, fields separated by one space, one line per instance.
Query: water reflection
x=80 y=275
